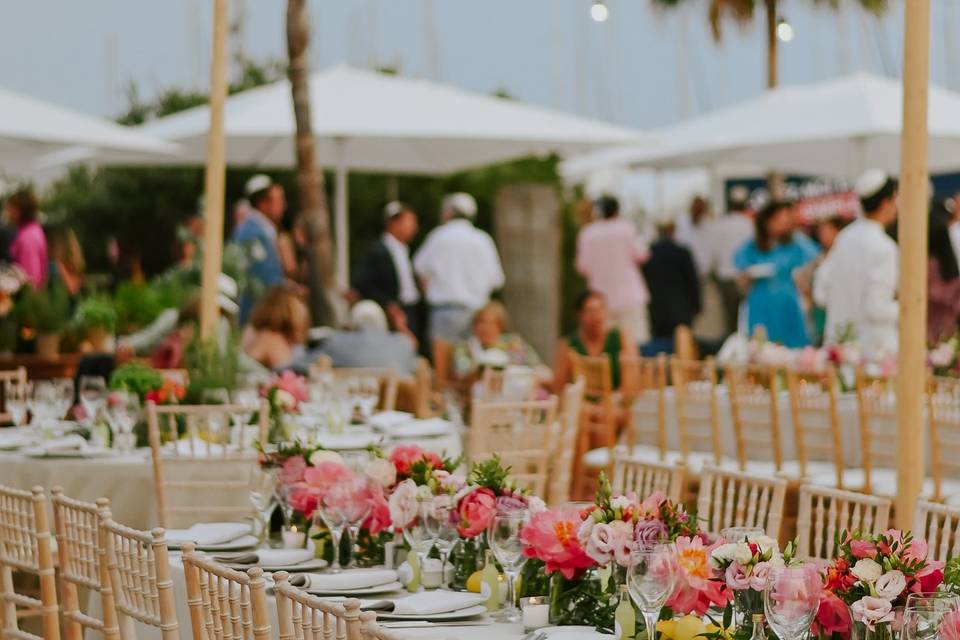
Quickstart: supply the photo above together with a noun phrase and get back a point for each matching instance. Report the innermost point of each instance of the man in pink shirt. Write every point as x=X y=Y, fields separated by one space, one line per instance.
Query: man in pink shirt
x=29 y=247
x=609 y=255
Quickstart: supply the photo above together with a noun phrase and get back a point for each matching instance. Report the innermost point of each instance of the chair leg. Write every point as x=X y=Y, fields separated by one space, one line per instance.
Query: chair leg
x=71 y=604
x=9 y=608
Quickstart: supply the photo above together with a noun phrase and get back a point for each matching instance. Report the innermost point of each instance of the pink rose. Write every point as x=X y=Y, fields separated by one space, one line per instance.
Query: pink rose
x=511 y=503
x=737 y=579
x=917 y=550
x=863 y=549
x=325 y=475
x=600 y=543
x=872 y=611
x=650 y=532
x=759 y=575
x=476 y=511
x=379 y=518
x=403 y=504
x=405 y=456
x=292 y=470
x=622 y=542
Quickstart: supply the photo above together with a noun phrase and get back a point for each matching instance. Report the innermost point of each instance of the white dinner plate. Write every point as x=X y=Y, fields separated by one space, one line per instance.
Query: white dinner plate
x=86 y=452
x=238 y=544
x=460 y=614
x=313 y=564
x=366 y=591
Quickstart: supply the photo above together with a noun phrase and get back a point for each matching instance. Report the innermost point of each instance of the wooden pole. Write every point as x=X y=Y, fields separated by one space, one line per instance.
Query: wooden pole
x=213 y=191
x=343 y=225
x=773 y=63
x=913 y=259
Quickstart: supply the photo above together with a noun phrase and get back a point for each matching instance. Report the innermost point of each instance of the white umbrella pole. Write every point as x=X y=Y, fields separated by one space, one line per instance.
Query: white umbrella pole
x=213 y=192
x=913 y=260
x=343 y=232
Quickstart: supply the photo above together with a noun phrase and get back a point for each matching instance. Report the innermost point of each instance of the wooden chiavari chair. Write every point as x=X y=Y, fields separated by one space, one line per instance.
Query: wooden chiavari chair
x=877 y=409
x=943 y=414
x=816 y=427
x=698 y=419
x=370 y=630
x=643 y=477
x=388 y=379
x=825 y=513
x=13 y=377
x=737 y=499
x=206 y=469
x=139 y=566
x=756 y=418
x=601 y=415
x=25 y=547
x=939 y=525
x=506 y=384
x=224 y=604
x=82 y=552
x=561 y=459
x=643 y=387
x=520 y=433
x=301 y=616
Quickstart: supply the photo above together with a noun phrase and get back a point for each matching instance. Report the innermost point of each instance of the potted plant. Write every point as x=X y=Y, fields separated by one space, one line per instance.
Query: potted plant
x=46 y=312
x=98 y=318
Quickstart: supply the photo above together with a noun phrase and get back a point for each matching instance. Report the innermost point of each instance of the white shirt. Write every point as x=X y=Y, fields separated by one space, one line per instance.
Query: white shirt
x=724 y=236
x=696 y=239
x=459 y=264
x=954 y=231
x=400 y=254
x=857 y=284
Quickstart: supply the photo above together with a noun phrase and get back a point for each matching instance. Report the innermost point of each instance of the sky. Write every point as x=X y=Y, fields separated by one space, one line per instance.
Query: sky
x=642 y=68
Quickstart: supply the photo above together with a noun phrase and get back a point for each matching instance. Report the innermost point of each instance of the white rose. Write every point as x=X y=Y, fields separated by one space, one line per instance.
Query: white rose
x=403 y=503
x=322 y=455
x=766 y=544
x=285 y=399
x=382 y=472
x=535 y=505
x=620 y=502
x=890 y=585
x=867 y=570
x=723 y=554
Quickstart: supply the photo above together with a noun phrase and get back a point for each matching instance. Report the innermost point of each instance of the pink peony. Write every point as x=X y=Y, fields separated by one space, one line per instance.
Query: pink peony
x=405 y=456
x=476 y=511
x=872 y=611
x=551 y=536
x=832 y=616
x=292 y=470
x=695 y=591
x=325 y=475
x=863 y=549
x=379 y=518
x=950 y=626
x=303 y=499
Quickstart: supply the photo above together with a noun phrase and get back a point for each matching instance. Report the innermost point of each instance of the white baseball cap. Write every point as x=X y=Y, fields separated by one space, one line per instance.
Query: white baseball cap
x=871 y=182
x=461 y=203
x=256 y=184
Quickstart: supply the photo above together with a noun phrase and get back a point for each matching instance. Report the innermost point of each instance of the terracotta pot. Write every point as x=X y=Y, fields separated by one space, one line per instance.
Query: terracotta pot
x=48 y=345
x=97 y=337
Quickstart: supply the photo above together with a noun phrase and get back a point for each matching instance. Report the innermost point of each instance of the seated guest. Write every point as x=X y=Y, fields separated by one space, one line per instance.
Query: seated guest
x=370 y=343
x=592 y=337
x=169 y=353
x=489 y=334
x=277 y=333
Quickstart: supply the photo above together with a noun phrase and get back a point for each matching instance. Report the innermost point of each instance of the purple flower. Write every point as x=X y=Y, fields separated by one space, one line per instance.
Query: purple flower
x=511 y=503
x=650 y=532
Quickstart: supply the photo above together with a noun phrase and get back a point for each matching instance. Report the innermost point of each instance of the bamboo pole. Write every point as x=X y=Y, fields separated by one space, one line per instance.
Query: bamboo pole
x=214 y=178
x=913 y=258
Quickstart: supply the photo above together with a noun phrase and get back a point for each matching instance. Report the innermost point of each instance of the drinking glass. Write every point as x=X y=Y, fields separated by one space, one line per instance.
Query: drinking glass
x=93 y=396
x=421 y=534
x=123 y=411
x=16 y=398
x=366 y=392
x=741 y=534
x=504 y=538
x=65 y=395
x=790 y=600
x=332 y=513
x=263 y=496
x=447 y=534
x=924 y=613
x=247 y=401
x=355 y=507
x=44 y=405
x=650 y=579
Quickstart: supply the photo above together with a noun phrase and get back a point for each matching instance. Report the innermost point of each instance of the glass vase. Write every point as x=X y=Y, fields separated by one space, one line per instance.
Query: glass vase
x=466 y=556
x=881 y=631
x=746 y=603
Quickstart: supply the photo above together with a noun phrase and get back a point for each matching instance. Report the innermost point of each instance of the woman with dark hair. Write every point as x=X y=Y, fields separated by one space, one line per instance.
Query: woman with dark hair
x=592 y=337
x=29 y=247
x=943 y=278
x=767 y=265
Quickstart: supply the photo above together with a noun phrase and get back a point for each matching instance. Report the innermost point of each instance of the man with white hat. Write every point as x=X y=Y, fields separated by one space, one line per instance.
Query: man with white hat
x=857 y=282
x=257 y=234
x=459 y=267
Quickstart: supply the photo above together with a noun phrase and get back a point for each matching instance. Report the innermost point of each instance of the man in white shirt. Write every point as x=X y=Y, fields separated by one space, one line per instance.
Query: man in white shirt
x=726 y=235
x=459 y=268
x=857 y=282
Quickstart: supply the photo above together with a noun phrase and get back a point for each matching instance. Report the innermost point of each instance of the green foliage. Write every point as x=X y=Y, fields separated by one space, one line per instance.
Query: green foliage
x=97 y=312
x=46 y=311
x=211 y=366
x=951 y=575
x=137 y=304
x=136 y=378
x=490 y=473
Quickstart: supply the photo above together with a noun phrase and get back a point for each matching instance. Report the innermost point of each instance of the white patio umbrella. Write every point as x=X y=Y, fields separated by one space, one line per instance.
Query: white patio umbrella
x=835 y=128
x=369 y=121
x=31 y=129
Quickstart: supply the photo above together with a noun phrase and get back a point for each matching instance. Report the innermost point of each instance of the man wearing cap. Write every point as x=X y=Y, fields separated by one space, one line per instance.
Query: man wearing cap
x=459 y=267
x=857 y=282
x=386 y=274
x=726 y=235
x=257 y=234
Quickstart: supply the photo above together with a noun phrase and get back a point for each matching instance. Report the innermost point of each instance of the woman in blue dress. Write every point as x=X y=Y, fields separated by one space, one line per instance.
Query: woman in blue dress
x=768 y=263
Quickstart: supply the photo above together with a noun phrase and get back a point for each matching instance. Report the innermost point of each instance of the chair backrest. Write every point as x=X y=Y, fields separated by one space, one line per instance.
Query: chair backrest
x=224 y=604
x=25 y=546
x=370 y=630
x=643 y=387
x=737 y=499
x=684 y=344
x=695 y=394
x=301 y=616
x=139 y=567
x=423 y=378
x=509 y=384
x=595 y=370
x=82 y=554
x=825 y=513
x=877 y=409
x=521 y=433
x=643 y=477
x=943 y=405
x=16 y=377
x=939 y=524
x=201 y=474
x=561 y=459
x=442 y=352
x=387 y=378
x=756 y=418
x=816 y=419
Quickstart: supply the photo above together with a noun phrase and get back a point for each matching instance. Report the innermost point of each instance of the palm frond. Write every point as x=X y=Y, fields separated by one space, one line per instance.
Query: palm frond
x=740 y=10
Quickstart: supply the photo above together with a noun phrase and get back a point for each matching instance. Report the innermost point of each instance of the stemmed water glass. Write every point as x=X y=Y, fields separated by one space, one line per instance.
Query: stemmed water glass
x=332 y=508
x=790 y=600
x=421 y=533
x=65 y=395
x=45 y=402
x=123 y=411
x=924 y=613
x=447 y=534
x=263 y=496
x=650 y=579
x=365 y=392
x=16 y=398
x=504 y=538
x=355 y=507
x=93 y=396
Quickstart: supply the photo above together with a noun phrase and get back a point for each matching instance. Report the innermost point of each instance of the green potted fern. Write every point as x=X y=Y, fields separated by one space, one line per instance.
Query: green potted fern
x=98 y=318
x=47 y=312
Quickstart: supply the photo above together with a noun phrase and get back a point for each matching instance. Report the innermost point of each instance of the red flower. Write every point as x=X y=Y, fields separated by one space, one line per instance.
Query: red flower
x=405 y=456
x=832 y=616
x=379 y=518
x=930 y=577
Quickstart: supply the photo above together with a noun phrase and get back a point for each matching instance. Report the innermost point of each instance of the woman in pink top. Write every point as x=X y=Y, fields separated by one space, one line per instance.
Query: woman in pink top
x=29 y=247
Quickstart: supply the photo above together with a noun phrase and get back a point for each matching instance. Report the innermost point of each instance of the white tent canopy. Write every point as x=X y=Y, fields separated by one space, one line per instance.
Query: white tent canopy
x=836 y=128
x=31 y=128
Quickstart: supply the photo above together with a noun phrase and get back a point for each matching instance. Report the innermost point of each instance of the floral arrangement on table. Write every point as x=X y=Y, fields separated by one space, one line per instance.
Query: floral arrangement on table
x=944 y=357
x=284 y=393
x=149 y=385
x=871 y=575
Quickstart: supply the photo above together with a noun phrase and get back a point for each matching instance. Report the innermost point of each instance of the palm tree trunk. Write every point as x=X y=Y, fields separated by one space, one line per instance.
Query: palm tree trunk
x=772 y=52
x=313 y=201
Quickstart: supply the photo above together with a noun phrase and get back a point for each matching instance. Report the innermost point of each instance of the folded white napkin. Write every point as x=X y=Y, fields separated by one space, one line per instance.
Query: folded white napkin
x=268 y=557
x=427 y=603
x=345 y=580
x=13 y=438
x=208 y=533
x=420 y=428
x=72 y=442
x=386 y=420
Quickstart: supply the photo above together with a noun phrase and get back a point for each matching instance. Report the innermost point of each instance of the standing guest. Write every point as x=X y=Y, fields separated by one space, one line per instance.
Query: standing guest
x=29 y=247
x=674 y=288
x=825 y=234
x=726 y=235
x=386 y=274
x=858 y=283
x=943 y=278
x=592 y=337
x=370 y=343
x=257 y=234
x=767 y=265
x=66 y=261
x=459 y=267
x=277 y=334
x=694 y=233
x=609 y=255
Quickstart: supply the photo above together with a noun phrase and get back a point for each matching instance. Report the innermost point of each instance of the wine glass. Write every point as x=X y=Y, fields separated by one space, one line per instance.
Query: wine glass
x=366 y=391
x=44 y=405
x=355 y=507
x=93 y=396
x=447 y=534
x=16 y=398
x=741 y=534
x=421 y=533
x=924 y=613
x=66 y=394
x=504 y=538
x=331 y=510
x=263 y=496
x=790 y=600
x=123 y=410
x=650 y=579
x=216 y=420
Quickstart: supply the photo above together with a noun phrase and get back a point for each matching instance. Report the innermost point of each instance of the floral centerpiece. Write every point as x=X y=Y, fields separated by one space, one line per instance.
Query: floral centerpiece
x=284 y=393
x=873 y=574
x=944 y=357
